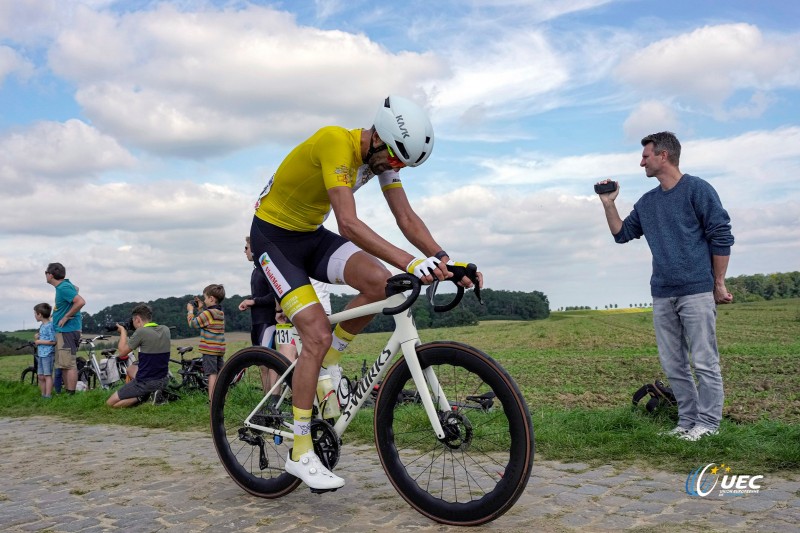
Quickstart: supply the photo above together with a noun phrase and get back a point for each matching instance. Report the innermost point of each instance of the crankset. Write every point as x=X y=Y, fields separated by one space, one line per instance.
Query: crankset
x=327 y=444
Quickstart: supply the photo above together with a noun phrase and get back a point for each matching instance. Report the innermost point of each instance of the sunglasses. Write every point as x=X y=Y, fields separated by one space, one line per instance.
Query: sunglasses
x=393 y=160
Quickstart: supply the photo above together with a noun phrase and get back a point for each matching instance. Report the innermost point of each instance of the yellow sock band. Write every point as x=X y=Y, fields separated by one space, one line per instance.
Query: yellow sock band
x=341 y=339
x=302 y=432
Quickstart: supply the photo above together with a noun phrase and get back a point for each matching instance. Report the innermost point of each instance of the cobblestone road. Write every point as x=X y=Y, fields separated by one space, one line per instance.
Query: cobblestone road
x=58 y=477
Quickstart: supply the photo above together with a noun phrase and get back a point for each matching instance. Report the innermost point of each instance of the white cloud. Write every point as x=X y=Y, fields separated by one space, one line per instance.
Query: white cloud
x=709 y=64
x=12 y=62
x=649 y=117
x=206 y=82
x=62 y=154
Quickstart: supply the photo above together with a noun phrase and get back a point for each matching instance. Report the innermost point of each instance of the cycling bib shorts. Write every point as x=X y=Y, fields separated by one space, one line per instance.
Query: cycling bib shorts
x=289 y=258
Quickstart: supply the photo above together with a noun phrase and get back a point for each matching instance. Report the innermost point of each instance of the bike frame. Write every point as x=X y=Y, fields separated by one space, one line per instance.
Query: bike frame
x=92 y=360
x=404 y=339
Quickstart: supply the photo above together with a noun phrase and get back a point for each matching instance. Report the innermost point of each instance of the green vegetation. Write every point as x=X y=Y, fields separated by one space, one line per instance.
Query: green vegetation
x=577 y=371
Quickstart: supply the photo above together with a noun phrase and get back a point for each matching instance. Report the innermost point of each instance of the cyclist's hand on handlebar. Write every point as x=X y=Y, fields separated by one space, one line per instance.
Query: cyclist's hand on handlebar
x=428 y=269
x=465 y=281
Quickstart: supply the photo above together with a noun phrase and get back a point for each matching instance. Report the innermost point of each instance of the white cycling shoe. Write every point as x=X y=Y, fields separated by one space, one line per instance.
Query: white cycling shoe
x=310 y=470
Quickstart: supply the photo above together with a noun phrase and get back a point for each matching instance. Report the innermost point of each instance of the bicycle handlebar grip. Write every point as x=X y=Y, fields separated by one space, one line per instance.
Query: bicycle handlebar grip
x=470 y=271
x=401 y=283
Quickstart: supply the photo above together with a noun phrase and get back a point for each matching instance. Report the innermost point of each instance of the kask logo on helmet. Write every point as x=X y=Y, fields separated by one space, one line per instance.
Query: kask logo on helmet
x=402 y=125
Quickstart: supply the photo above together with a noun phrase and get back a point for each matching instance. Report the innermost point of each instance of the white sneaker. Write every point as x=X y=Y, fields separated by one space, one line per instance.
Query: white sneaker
x=312 y=472
x=677 y=431
x=698 y=432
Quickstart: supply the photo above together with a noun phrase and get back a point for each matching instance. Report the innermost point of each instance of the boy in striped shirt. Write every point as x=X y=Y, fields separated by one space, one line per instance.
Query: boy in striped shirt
x=210 y=319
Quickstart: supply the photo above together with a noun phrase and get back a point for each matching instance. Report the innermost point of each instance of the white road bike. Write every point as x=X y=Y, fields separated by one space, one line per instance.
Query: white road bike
x=452 y=430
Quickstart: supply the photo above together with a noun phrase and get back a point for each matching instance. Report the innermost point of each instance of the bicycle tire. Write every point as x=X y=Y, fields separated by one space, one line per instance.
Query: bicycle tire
x=232 y=401
x=29 y=375
x=483 y=465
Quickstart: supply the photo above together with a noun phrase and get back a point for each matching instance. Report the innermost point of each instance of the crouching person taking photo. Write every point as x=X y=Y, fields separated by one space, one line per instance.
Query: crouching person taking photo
x=151 y=375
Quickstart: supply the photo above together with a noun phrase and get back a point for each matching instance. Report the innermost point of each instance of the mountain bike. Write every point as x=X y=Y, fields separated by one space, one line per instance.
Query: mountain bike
x=29 y=374
x=452 y=430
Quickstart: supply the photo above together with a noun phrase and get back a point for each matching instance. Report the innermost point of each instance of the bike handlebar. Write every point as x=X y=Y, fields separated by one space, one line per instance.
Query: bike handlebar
x=28 y=344
x=93 y=339
x=403 y=282
x=470 y=271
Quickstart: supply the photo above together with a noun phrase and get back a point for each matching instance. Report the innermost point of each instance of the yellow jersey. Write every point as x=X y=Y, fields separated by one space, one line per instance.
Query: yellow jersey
x=296 y=197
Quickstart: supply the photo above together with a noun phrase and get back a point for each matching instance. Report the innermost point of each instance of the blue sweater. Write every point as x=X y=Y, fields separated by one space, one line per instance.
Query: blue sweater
x=684 y=227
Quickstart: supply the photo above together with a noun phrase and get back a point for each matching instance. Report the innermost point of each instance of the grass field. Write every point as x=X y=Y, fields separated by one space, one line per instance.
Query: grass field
x=577 y=371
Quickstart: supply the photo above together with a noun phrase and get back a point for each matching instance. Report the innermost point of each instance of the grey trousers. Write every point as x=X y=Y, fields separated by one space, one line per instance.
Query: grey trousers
x=686 y=335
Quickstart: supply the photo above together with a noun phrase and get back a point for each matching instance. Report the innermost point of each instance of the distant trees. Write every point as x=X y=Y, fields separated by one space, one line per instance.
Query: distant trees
x=498 y=305
x=757 y=287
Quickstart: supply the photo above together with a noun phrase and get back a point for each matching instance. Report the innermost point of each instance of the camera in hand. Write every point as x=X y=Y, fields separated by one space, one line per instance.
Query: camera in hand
x=111 y=327
x=197 y=302
x=603 y=188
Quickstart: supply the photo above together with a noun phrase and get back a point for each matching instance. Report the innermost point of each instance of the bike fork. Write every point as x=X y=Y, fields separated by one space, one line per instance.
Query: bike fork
x=424 y=380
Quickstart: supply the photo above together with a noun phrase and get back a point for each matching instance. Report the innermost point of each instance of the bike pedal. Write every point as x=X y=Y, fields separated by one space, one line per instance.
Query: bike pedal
x=321 y=491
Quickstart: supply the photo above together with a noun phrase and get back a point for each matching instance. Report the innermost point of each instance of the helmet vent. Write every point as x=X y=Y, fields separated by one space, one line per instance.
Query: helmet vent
x=402 y=149
x=421 y=157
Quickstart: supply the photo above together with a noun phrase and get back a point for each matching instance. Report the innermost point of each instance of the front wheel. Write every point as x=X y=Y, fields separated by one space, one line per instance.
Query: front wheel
x=482 y=465
x=29 y=376
x=253 y=458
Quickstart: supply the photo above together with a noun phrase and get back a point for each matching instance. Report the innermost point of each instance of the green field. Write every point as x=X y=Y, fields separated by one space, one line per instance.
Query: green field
x=577 y=371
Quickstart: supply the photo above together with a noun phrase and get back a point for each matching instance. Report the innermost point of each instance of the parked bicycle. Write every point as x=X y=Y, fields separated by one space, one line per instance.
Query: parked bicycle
x=29 y=374
x=452 y=430
x=191 y=372
x=106 y=372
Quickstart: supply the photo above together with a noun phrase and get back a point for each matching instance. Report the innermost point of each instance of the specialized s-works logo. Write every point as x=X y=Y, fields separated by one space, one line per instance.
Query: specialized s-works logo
x=275 y=278
x=704 y=479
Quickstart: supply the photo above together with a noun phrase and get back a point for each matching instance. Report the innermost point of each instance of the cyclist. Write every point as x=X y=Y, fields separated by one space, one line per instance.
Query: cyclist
x=291 y=245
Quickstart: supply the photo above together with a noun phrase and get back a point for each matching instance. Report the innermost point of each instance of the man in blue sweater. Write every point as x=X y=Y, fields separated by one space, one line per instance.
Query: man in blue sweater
x=689 y=235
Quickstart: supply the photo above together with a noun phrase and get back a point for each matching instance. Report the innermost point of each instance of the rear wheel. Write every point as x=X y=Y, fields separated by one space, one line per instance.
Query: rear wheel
x=482 y=465
x=254 y=459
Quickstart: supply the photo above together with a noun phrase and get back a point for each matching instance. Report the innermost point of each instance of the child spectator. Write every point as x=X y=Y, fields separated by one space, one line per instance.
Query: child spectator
x=45 y=341
x=211 y=322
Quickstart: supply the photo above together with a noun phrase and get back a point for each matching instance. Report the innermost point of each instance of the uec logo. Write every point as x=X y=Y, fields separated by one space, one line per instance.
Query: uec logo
x=703 y=480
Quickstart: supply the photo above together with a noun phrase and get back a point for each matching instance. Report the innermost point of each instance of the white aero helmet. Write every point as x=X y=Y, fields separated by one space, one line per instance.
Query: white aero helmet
x=406 y=128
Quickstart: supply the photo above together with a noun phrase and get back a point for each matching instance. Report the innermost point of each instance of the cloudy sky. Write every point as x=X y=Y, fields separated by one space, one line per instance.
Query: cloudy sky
x=136 y=135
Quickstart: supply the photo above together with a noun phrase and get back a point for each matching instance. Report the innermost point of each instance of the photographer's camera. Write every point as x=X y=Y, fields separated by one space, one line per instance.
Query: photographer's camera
x=111 y=327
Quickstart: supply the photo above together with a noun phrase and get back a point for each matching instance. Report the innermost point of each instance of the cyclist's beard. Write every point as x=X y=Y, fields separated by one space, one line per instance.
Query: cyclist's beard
x=373 y=150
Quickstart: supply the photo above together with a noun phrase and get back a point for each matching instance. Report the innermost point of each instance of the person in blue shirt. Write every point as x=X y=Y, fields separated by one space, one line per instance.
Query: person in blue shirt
x=689 y=235
x=45 y=341
x=68 y=323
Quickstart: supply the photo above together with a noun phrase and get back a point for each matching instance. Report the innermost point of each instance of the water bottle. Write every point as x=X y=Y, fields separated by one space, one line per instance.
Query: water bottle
x=326 y=397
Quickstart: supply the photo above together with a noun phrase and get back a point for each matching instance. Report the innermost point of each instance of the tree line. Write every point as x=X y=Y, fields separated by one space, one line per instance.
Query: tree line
x=498 y=305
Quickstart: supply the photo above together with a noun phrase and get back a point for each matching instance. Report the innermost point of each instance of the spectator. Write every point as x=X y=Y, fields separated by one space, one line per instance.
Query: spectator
x=151 y=374
x=211 y=322
x=261 y=304
x=45 y=341
x=68 y=323
x=689 y=235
